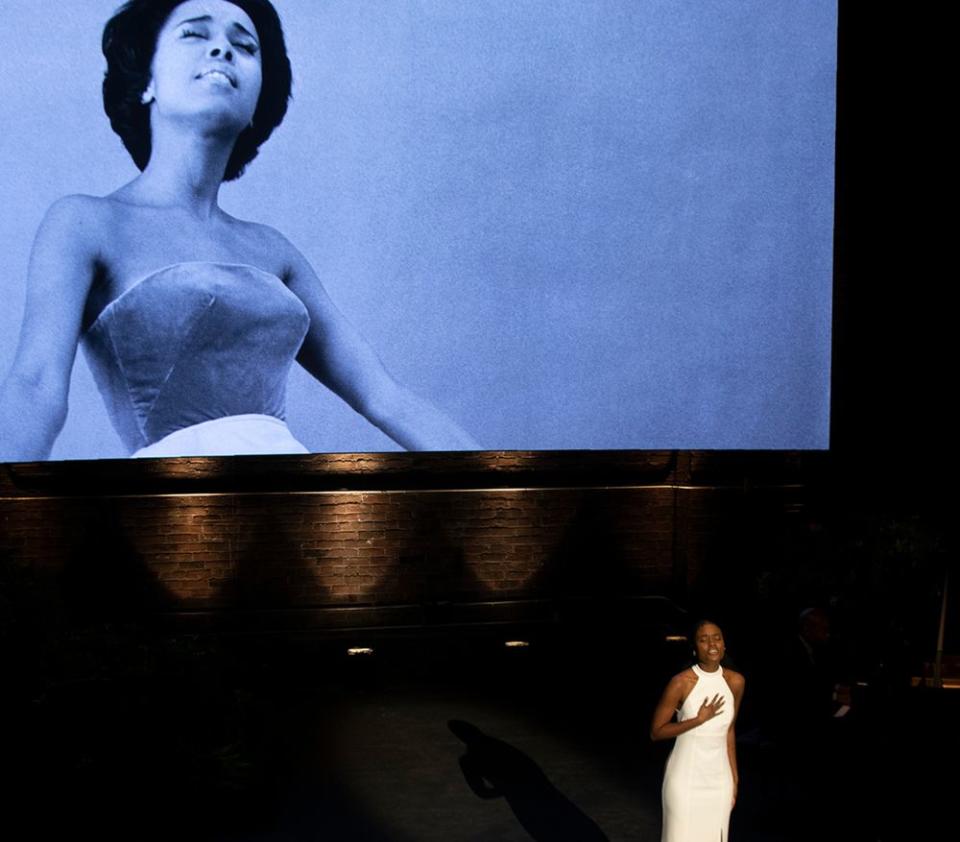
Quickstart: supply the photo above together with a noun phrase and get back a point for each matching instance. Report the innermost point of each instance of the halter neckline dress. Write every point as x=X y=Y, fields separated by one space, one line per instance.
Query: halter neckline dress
x=193 y=360
x=698 y=782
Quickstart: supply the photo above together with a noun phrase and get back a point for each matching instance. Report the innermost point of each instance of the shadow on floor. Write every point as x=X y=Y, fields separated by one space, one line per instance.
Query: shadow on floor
x=494 y=769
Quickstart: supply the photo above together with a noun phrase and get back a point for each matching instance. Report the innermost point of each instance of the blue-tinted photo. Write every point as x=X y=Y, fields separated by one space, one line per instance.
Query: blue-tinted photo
x=573 y=224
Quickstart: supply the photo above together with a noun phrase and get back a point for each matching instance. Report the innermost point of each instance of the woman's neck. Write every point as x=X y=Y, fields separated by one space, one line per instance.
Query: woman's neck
x=184 y=171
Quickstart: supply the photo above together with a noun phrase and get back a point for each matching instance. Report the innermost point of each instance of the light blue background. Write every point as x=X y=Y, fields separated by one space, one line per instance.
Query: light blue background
x=570 y=223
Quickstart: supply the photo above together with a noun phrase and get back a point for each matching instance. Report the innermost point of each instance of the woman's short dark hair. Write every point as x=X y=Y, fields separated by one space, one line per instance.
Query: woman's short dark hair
x=129 y=43
x=695 y=628
x=703 y=621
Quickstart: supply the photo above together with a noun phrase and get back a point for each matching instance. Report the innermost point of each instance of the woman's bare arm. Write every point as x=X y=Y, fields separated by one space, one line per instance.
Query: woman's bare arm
x=33 y=396
x=737 y=683
x=662 y=726
x=339 y=357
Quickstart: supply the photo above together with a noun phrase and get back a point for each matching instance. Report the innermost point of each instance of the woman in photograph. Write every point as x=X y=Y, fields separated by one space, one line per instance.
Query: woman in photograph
x=190 y=318
x=700 y=781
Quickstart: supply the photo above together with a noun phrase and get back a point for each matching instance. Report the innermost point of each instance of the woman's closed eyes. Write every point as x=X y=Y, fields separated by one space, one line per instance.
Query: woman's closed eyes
x=247 y=46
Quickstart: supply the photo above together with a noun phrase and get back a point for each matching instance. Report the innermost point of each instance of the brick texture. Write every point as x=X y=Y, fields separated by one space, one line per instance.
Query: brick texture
x=288 y=547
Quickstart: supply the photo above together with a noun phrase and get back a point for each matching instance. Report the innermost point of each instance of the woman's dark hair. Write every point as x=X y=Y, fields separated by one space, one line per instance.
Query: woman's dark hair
x=129 y=43
x=703 y=621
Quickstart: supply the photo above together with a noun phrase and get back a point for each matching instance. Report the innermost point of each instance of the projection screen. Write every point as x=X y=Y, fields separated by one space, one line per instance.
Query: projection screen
x=568 y=224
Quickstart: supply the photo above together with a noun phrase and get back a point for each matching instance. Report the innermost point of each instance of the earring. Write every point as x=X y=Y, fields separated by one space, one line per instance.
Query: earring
x=147 y=96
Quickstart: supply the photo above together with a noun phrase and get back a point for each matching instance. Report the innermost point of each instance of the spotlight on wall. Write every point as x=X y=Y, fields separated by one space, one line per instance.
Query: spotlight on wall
x=360 y=650
x=516 y=644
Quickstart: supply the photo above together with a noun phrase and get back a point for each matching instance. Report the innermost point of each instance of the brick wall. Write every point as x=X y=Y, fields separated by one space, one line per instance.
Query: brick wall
x=326 y=533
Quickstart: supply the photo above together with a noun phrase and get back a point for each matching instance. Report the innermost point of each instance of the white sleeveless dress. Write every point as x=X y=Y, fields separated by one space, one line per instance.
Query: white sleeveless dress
x=698 y=781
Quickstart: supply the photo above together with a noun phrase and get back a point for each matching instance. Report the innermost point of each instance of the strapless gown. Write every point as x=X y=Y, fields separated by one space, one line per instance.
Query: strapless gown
x=698 y=781
x=193 y=360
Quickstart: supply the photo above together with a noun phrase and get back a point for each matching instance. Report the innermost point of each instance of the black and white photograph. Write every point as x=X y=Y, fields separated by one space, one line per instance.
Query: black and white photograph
x=492 y=226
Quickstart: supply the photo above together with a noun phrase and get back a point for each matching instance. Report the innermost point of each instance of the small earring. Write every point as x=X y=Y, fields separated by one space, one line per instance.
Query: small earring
x=146 y=97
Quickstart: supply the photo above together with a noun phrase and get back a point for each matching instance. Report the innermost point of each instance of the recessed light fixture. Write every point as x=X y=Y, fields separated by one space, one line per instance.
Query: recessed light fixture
x=360 y=650
x=676 y=638
x=516 y=644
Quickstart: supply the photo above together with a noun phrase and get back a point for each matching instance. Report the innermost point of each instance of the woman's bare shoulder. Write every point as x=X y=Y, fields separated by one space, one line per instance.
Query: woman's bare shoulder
x=257 y=232
x=684 y=678
x=680 y=685
x=73 y=232
x=734 y=679
x=79 y=209
x=275 y=248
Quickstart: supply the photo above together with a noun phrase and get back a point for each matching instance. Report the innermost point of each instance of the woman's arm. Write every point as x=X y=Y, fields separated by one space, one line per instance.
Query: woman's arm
x=662 y=726
x=339 y=357
x=737 y=683
x=33 y=397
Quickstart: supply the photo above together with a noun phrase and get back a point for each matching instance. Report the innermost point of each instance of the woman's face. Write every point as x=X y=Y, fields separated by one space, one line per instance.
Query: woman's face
x=709 y=644
x=207 y=64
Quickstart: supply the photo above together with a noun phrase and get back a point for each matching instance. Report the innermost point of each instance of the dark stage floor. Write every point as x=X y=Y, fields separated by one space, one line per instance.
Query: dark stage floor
x=262 y=740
